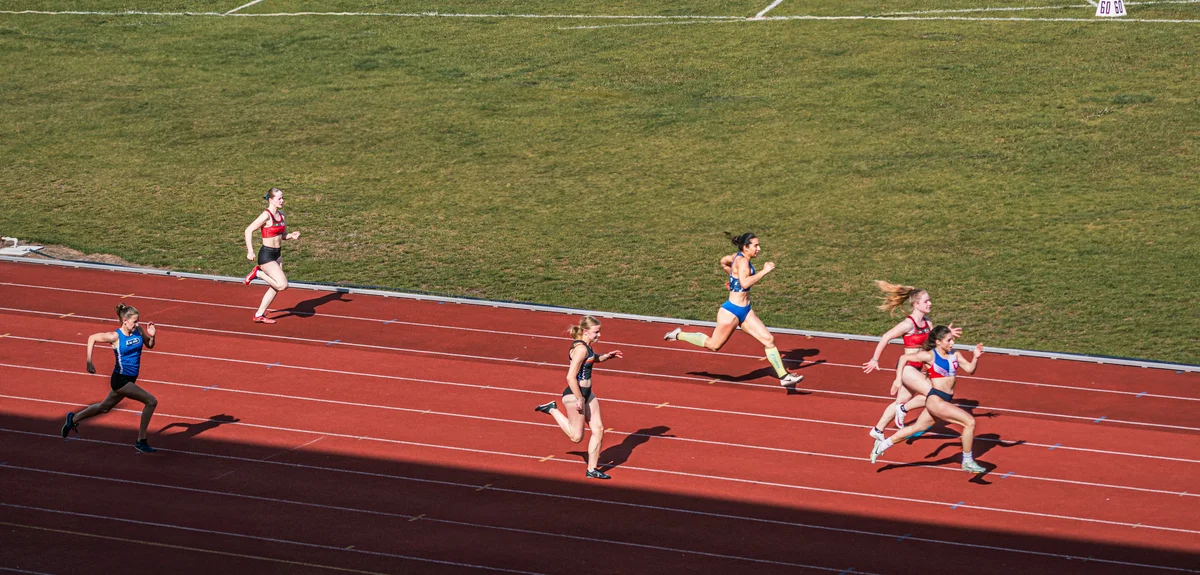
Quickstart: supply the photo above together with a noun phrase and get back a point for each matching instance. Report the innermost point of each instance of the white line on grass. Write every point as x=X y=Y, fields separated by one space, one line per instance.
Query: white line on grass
x=767 y=9
x=246 y=5
x=691 y=19
x=1027 y=8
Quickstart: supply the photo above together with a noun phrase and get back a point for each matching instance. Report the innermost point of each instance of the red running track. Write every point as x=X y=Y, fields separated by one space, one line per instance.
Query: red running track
x=380 y=435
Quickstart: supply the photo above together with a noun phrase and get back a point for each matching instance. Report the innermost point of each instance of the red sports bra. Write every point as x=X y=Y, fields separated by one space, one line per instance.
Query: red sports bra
x=919 y=335
x=277 y=227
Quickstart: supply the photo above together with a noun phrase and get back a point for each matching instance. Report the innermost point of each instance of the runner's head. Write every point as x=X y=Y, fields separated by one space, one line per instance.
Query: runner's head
x=588 y=329
x=746 y=243
x=941 y=337
x=895 y=296
x=274 y=197
x=128 y=316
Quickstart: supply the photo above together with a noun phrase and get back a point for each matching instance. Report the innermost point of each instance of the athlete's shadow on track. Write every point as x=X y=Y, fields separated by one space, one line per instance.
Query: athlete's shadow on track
x=191 y=430
x=308 y=307
x=618 y=454
x=983 y=444
x=794 y=356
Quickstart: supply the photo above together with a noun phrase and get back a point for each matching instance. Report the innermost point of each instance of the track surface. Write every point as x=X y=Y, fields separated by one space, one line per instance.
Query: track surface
x=375 y=435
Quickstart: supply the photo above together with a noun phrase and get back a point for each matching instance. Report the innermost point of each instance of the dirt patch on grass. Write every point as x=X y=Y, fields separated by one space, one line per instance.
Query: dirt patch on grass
x=65 y=253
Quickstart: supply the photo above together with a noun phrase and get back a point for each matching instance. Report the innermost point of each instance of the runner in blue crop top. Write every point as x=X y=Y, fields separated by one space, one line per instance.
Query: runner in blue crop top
x=736 y=310
x=944 y=365
x=127 y=343
x=581 y=405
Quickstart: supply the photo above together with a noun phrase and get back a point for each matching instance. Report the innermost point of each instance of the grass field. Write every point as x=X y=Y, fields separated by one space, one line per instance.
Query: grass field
x=1041 y=177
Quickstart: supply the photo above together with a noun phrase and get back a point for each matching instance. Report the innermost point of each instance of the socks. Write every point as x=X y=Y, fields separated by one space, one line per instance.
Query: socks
x=903 y=409
x=884 y=445
x=967 y=457
x=776 y=361
x=695 y=338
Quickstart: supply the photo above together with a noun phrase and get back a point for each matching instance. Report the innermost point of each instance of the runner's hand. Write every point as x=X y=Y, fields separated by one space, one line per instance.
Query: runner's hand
x=91 y=368
x=250 y=256
x=895 y=387
x=955 y=331
x=579 y=404
x=870 y=366
x=293 y=236
x=150 y=329
x=615 y=353
x=767 y=267
x=978 y=349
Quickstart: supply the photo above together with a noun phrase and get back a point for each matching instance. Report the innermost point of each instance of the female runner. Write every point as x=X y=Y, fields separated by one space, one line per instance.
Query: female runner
x=944 y=365
x=914 y=329
x=270 y=256
x=581 y=405
x=127 y=345
x=736 y=310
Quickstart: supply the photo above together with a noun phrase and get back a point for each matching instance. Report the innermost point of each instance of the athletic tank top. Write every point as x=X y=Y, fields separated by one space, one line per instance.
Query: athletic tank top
x=585 y=370
x=735 y=284
x=943 y=367
x=275 y=226
x=920 y=333
x=128 y=349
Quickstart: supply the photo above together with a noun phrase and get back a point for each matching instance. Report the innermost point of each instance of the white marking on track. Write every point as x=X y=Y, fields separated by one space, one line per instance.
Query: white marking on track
x=576 y=497
x=703 y=476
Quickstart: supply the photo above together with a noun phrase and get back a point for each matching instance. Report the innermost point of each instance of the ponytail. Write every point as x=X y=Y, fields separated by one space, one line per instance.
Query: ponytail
x=272 y=193
x=588 y=322
x=935 y=336
x=125 y=311
x=742 y=240
x=895 y=295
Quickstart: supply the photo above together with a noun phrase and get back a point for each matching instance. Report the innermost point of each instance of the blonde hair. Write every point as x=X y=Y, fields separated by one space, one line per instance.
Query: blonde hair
x=125 y=311
x=895 y=295
x=588 y=322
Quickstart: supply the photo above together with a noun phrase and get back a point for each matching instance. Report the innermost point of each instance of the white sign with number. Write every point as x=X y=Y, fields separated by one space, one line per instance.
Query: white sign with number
x=1110 y=8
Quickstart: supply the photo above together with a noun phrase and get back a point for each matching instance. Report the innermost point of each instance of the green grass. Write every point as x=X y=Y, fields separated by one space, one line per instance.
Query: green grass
x=1040 y=178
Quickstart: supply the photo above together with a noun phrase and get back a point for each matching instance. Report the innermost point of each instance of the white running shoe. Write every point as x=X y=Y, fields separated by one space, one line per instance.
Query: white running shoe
x=900 y=418
x=673 y=335
x=877 y=435
x=972 y=467
x=791 y=379
x=875 y=450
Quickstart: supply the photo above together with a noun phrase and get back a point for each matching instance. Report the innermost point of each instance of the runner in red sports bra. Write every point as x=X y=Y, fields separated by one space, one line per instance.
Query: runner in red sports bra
x=914 y=330
x=273 y=224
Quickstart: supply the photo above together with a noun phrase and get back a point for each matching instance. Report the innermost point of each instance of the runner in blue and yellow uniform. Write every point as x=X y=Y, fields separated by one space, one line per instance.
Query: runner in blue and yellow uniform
x=127 y=343
x=736 y=310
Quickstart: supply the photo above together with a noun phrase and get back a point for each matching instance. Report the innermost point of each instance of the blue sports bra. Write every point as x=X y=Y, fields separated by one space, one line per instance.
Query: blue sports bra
x=942 y=366
x=735 y=284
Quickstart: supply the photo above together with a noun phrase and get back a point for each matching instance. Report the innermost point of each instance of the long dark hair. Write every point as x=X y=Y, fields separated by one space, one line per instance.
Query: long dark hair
x=742 y=240
x=934 y=336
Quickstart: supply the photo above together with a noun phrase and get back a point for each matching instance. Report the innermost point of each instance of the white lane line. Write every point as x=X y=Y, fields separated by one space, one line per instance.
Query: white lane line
x=561 y=338
x=543 y=394
x=703 y=476
x=15 y=570
x=767 y=9
x=858 y=459
x=1091 y=418
x=246 y=5
x=265 y=539
x=425 y=517
x=284 y=452
x=573 y=497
